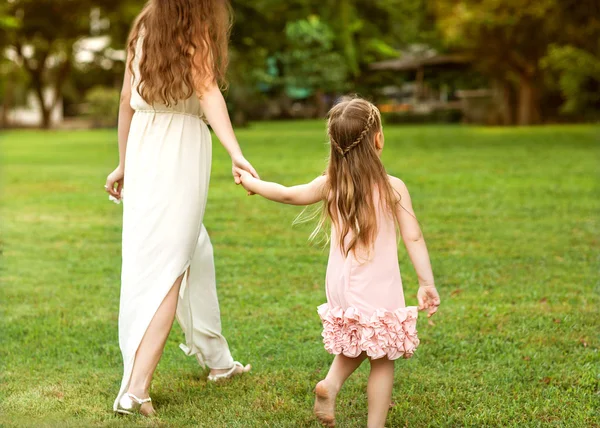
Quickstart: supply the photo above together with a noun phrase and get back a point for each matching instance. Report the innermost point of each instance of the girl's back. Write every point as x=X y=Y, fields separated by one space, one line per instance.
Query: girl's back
x=365 y=309
x=367 y=279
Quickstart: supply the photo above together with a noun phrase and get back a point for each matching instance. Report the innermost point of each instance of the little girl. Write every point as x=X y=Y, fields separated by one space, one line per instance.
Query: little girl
x=365 y=316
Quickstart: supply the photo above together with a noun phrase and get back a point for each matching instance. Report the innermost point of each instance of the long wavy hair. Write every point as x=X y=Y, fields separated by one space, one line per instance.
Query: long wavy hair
x=184 y=48
x=357 y=183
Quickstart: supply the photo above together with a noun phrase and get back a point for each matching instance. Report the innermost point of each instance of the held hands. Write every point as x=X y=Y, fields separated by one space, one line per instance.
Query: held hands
x=428 y=298
x=116 y=177
x=243 y=177
x=241 y=166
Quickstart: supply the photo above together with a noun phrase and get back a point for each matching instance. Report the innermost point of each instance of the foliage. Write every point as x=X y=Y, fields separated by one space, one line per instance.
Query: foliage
x=7 y=23
x=363 y=31
x=15 y=83
x=436 y=116
x=120 y=16
x=508 y=39
x=519 y=45
x=367 y=31
x=510 y=218
x=579 y=77
x=43 y=42
x=10 y=78
x=310 y=60
x=103 y=106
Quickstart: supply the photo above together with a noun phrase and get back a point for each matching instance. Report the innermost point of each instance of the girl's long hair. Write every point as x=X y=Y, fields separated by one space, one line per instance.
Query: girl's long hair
x=357 y=183
x=184 y=48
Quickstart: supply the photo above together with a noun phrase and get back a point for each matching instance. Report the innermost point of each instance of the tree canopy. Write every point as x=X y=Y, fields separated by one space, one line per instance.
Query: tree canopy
x=508 y=39
x=43 y=42
x=527 y=48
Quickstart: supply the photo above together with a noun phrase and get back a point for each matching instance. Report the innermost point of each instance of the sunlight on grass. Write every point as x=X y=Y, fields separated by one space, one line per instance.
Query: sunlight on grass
x=511 y=219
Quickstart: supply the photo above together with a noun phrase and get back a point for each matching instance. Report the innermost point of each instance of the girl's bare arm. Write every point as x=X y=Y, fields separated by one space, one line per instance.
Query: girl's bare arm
x=416 y=248
x=304 y=194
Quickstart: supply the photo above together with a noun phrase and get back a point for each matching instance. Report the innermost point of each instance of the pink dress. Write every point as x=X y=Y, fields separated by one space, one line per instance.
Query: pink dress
x=365 y=309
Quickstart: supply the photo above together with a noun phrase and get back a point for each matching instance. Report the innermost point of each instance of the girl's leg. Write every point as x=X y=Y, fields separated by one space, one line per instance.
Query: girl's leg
x=152 y=346
x=327 y=390
x=379 y=391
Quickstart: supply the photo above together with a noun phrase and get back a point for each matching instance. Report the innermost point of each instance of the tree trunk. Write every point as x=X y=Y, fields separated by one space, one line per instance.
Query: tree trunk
x=344 y=18
x=8 y=100
x=37 y=73
x=320 y=103
x=46 y=117
x=46 y=111
x=508 y=104
x=529 y=108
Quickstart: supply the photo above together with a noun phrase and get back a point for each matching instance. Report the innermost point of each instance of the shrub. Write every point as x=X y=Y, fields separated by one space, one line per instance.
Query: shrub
x=103 y=106
x=436 y=116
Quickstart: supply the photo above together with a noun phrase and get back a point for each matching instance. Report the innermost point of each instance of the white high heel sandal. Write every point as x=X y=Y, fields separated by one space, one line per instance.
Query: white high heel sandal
x=129 y=404
x=229 y=374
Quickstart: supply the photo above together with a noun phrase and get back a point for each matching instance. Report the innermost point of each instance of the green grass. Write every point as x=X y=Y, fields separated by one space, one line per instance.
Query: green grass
x=511 y=219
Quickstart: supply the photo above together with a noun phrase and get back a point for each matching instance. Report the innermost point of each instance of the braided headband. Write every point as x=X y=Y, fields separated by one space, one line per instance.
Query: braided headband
x=368 y=125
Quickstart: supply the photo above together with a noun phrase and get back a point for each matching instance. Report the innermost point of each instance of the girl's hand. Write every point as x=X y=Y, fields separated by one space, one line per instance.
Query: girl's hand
x=428 y=298
x=116 y=177
x=240 y=163
x=244 y=176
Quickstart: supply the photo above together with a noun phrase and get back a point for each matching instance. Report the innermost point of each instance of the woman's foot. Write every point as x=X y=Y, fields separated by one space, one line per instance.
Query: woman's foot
x=325 y=404
x=131 y=404
x=236 y=370
x=147 y=409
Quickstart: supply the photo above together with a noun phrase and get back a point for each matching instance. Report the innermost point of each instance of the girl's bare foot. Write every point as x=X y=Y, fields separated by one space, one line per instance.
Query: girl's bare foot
x=325 y=404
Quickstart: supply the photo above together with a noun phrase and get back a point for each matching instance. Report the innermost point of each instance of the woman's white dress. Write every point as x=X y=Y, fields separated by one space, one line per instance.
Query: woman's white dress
x=167 y=171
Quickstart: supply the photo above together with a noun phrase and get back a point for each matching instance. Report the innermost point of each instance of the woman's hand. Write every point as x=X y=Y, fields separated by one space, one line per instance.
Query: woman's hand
x=428 y=298
x=240 y=162
x=116 y=177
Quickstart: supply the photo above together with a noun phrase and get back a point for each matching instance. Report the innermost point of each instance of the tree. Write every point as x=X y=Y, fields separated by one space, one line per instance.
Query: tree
x=43 y=43
x=578 y=77
x=367 y=31
x=8 y=72
x=363 y=31
x=310 y=60
x=508 y=39
x=573 y=61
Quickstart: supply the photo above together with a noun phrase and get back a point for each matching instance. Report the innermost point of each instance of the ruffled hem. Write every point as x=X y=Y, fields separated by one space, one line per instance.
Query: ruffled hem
x=391 y=334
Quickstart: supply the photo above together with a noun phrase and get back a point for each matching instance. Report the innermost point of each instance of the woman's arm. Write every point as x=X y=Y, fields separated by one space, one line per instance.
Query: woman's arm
x=416 y=248
x=215 y=110
x=125 y=116
x=304 y=194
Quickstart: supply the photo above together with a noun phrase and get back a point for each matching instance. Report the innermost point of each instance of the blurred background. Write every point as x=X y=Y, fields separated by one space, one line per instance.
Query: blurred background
x=509 y=62
x=510 y=212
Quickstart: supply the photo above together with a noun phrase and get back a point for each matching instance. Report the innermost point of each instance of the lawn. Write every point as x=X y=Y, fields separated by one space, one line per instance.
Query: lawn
x=511 y=217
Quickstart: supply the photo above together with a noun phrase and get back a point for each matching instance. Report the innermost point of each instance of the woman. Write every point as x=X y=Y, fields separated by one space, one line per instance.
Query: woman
x=177 y=58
